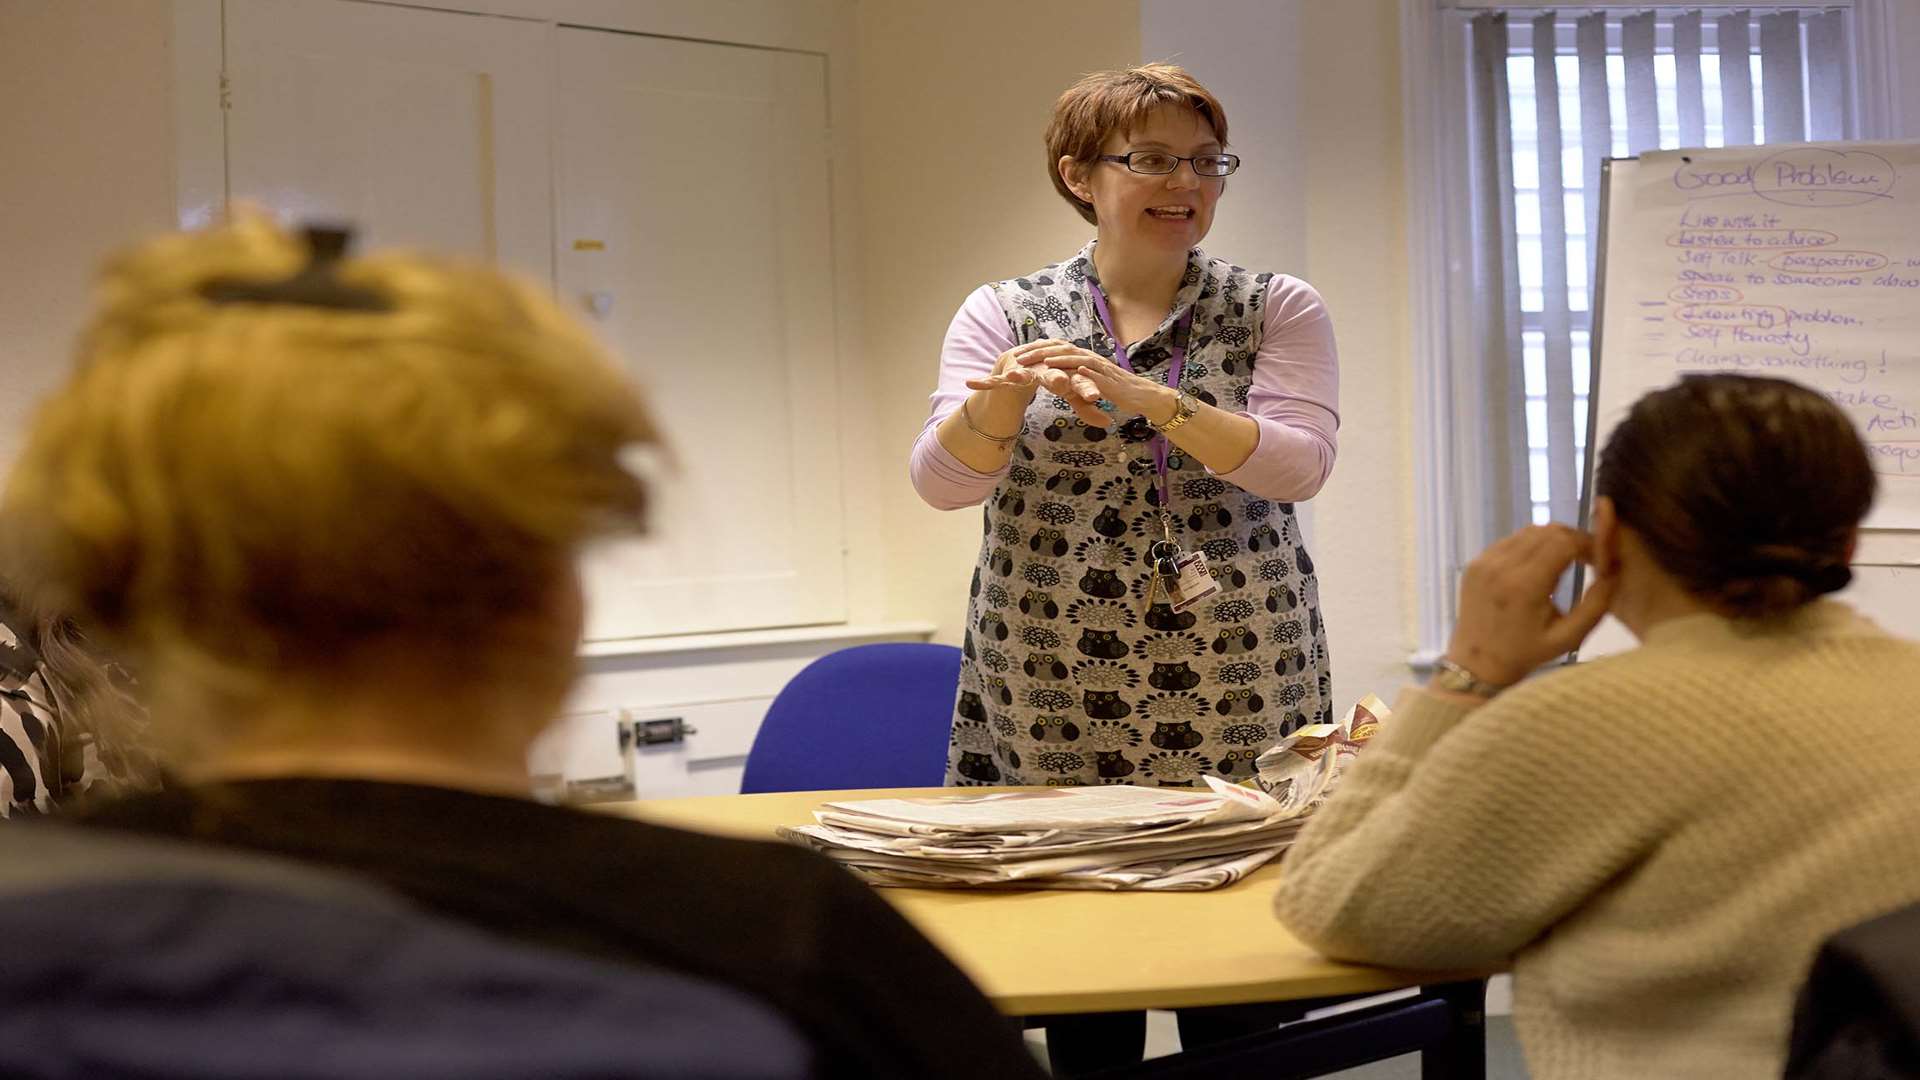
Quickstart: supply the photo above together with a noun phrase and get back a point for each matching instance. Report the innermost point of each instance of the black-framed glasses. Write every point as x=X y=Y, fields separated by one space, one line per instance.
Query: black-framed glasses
x=1160 y=163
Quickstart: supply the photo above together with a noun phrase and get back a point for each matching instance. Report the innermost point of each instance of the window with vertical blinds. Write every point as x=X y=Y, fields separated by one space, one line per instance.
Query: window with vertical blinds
x=1553 y=93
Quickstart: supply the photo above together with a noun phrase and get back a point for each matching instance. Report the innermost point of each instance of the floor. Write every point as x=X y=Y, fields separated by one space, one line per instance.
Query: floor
x=1504 y=1061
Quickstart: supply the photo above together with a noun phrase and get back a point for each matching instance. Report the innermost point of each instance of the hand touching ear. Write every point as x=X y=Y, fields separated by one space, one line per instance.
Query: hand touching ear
x=1508 y=623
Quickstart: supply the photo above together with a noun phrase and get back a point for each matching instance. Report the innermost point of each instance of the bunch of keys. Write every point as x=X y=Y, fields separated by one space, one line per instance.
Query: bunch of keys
x=1182 y=574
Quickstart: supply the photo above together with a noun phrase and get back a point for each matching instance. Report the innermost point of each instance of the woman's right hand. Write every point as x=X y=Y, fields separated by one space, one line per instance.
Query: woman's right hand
x=1508 y=623
x=1022 y=370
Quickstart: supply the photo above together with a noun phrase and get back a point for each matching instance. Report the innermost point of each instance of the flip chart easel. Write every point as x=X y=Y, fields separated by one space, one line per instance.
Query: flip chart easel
x=1800 y=262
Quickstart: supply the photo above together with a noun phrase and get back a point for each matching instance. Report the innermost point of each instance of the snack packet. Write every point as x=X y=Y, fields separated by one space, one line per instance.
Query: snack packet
x=1302 y=768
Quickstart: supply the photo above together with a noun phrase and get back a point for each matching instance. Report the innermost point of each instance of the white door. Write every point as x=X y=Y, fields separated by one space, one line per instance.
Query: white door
x=693 y=225
x=423 y=128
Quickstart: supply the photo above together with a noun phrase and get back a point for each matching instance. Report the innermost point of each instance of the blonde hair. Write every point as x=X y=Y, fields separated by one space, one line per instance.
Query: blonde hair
x=1106 y=102
x=245 y=493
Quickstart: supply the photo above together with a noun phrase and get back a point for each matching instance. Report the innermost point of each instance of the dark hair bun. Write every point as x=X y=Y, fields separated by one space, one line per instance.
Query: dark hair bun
x=1777 y=578
x=1757 y=598
x=1747 y=490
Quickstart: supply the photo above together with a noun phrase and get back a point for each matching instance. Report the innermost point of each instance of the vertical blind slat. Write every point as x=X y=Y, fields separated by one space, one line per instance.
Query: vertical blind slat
x=1689 y=95
x=1736 y=77
x=1643 y=99
x=1506 y=506
x=1804 y=94
x=1825 y=67
x=1563 y=503
x=1596 y=126
x=1783 y=116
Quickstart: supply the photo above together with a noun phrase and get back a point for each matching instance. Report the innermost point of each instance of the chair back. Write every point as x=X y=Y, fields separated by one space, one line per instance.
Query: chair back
x=127 y=956
x=868 y=716
x=1858 y=1017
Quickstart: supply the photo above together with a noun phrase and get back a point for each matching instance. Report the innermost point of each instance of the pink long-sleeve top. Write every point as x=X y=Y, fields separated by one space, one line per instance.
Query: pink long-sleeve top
x=1294 y=398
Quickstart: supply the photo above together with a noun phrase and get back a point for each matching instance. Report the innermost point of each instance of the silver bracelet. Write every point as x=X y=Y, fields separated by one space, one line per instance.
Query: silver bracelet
x=966 y=417
x=1450 y=676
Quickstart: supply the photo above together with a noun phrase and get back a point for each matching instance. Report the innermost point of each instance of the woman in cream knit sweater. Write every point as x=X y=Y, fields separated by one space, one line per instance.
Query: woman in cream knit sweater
x=1658 y=840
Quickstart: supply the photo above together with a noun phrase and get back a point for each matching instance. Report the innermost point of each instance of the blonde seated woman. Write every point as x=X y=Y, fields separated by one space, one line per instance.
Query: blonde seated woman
x=331 y=509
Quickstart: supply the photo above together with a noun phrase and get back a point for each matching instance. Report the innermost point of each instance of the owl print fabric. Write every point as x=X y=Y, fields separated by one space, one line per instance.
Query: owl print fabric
x=1070 y=676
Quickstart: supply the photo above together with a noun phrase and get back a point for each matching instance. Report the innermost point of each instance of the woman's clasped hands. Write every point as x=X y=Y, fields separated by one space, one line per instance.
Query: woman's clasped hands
x=1083 y=378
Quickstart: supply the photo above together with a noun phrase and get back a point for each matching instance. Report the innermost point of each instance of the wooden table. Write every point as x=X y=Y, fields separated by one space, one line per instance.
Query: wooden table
x=1060 y=951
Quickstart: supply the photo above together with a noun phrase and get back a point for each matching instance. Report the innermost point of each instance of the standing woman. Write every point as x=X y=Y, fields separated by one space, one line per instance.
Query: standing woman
x=1139 y=420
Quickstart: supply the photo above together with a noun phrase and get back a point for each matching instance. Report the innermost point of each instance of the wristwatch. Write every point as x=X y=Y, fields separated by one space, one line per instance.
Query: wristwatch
x=1452 y=677
x=1184 y=405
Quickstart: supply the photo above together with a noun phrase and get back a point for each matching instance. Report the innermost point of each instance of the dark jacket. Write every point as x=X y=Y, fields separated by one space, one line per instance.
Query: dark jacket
x=128 y=956
x=784 y=925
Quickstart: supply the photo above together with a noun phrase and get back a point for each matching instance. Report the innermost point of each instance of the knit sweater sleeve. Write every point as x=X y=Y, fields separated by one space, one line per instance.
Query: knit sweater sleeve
x=1460 y=835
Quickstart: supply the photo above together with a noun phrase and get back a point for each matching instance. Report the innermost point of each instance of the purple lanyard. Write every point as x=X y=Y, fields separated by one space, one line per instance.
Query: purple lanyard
x=1178 y=361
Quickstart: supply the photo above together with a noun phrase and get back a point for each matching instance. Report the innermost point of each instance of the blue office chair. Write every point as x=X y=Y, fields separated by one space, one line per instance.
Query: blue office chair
x=868 y=716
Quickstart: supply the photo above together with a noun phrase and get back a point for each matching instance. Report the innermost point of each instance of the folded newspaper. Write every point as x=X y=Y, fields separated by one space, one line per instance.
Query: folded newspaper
x=1116 y=837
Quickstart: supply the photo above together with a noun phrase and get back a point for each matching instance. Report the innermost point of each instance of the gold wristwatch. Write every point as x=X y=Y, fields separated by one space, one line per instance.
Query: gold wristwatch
x=1184 y=405
x=1451 y=677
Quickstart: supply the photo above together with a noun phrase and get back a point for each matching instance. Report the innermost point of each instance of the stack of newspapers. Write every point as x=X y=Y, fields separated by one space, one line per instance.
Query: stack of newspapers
x=1116 y=837
x=1056 y=838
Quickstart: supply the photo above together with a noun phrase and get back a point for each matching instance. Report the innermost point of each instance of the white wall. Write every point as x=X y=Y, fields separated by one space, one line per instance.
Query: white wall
x=953 y=101
x=1248 y=52
x=86 y=165
x=1312 y=94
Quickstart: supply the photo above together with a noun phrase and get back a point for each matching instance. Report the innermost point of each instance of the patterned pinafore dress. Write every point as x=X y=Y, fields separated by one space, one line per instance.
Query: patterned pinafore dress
x=1069 y=676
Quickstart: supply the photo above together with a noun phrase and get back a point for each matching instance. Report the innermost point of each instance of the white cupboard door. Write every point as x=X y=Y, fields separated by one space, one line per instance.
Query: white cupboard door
x=693 y=228
x=423 y=128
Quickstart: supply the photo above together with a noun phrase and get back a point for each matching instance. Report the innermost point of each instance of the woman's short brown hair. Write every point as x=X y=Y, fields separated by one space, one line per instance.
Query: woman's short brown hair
x=1108 y=101
x=255 y=496
x=1747 y=490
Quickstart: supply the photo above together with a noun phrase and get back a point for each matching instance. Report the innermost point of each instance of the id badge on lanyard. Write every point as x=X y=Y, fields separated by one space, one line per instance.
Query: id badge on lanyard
x=1182 y=575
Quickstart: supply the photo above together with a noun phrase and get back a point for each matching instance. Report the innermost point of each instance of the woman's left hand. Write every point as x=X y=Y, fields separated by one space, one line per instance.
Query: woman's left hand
x=1129 y=393
x=1508 y=624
